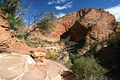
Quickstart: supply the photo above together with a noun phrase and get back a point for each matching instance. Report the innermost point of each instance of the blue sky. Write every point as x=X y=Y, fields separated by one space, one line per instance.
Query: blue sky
x=62 y=7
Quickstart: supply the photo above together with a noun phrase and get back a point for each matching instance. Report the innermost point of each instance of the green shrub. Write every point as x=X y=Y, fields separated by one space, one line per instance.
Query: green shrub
x=114 y=53
x=114 y=39
x=11 y=9
x=86 y=68
x=52 y=55
x=29 y=43
x=21 y=36
x=46 y=24
x=68 y=64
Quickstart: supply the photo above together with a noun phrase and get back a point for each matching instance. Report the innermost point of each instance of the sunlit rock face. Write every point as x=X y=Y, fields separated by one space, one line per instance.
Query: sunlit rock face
x=87 y=26
x=3 y=21
x=96 y=22
x=9 y=43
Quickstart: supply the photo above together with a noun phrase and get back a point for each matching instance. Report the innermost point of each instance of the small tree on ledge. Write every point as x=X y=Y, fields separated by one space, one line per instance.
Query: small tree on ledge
x=46 y=23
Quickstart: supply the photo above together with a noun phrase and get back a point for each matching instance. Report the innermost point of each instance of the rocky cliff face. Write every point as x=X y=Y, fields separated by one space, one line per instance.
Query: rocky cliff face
x=95 y=23
x=87 y=26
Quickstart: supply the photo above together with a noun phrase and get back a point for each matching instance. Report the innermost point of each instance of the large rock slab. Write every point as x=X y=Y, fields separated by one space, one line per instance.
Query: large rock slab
x=49 y=70
x=23 y=67
x=12 y=66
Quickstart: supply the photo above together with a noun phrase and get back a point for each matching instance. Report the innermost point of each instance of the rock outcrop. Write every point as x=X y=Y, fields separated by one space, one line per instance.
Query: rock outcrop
x=9 y=43
x=3 y=21
x=95 y=23
x=86 y=26
x=61 y=25
x=92 y=26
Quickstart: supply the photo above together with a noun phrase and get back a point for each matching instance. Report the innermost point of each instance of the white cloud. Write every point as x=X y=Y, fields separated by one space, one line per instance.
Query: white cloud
x=66 y=6
x=50 y=3
x=56 y=1
x=115 y=10
x=60 y=15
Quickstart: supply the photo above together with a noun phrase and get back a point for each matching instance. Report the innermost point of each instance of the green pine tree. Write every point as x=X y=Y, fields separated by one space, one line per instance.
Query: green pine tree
x=10 y=8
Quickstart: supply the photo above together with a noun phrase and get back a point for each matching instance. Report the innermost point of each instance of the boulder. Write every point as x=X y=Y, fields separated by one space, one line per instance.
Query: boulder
x=14 y=65
x=49 y=70
x=23 y=67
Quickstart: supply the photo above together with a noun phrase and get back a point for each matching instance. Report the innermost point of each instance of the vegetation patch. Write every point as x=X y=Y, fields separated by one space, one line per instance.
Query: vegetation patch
x=52 y=55
x=29 y=43
x=86 y=68
x=46 y=24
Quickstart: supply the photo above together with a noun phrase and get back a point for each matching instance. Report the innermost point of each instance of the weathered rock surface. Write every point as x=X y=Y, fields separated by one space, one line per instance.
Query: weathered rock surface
x=3 y=21
x=49 y=70
x=23 y=67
